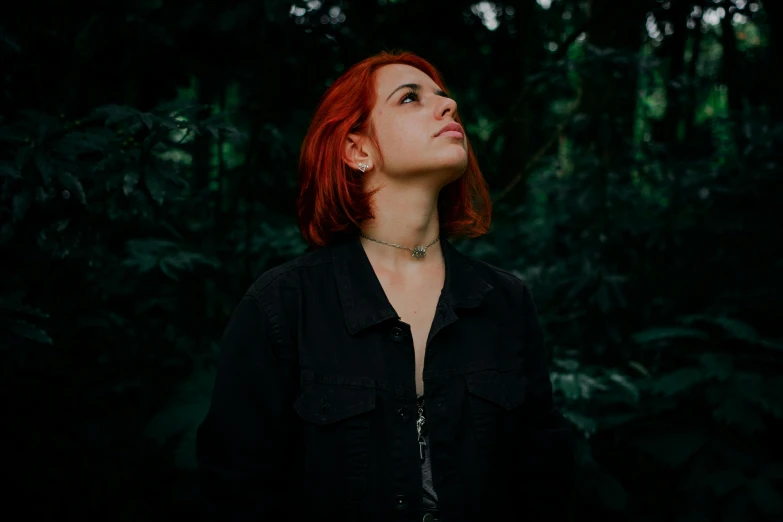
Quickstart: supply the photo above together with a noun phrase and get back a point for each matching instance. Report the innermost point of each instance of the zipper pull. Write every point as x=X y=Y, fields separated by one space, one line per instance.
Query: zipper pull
x=422 y=443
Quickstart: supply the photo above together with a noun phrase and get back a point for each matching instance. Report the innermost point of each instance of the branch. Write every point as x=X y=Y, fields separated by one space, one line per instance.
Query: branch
x=542 y=150
x=562 y=49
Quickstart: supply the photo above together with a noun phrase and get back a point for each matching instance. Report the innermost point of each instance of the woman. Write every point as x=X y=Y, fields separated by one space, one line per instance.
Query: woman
x=384 y=375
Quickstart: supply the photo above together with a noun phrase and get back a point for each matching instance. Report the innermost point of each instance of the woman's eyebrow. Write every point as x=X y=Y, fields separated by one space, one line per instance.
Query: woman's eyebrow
x=415 y=87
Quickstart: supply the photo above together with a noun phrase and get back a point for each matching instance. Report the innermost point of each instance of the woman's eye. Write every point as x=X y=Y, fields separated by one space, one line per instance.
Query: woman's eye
x=411 y=95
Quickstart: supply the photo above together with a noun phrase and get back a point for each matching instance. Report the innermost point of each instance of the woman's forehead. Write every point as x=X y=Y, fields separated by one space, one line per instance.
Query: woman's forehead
x=391 y=76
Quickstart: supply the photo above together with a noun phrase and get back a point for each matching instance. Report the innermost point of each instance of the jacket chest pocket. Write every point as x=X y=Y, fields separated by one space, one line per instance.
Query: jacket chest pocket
x=505 y=389
x=496 y=399
x=336 y=426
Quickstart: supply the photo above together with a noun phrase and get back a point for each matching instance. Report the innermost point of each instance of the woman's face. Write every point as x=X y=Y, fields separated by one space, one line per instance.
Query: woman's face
x=409 y=113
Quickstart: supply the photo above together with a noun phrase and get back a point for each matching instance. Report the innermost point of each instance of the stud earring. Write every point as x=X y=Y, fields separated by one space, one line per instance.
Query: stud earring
x=362 y=167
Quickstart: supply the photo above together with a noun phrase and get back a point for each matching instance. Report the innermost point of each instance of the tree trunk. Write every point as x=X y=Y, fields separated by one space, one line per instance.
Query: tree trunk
x=774 y=11
x=677 y=84
x=730 y=76
x=730 y=67
x=689 y=110
x=201 y=146
x=610 y=90
x=518 y=130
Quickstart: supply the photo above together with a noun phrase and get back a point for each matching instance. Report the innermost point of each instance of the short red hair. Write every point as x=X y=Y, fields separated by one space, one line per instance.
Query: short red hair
x=331 y=201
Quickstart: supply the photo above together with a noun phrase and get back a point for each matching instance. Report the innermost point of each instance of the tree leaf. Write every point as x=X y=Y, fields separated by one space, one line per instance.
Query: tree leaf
x=659 y=334
x=567 y=384
x=625 y=383
x=737 y=328
x=70 y=182
x=21 y=203
x=734 y=327
x=725 y=481
x=44 y=165
x=737 y=507
x=148 y=119
x=772 y=470
x=718 y=365
x=609 y=492
x=10 y=303
x=167 y=269
x=7 y=233
x=771 y=397
x=639 y=367
x=765 y=496
x=115 y=113
x=678 y=381
x=25 y=330
x=76 y=143
x=175 y=419
x=741 y=414
x=182 y=416
x=774 y=345
x=129 y=181
x=607 y=422
x=9 y=170
x=155 y=185
x=673 y=449
x=584 y=424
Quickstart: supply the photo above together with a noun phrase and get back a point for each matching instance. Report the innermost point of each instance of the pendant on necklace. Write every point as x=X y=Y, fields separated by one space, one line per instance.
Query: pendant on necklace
x=419 y=252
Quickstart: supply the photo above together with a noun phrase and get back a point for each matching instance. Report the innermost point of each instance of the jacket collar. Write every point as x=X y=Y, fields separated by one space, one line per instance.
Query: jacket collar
x=365 y=303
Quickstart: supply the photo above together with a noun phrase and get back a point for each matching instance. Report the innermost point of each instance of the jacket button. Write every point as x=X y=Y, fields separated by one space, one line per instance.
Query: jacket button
x=396 y=334
x=401 y=503
x=404 y=416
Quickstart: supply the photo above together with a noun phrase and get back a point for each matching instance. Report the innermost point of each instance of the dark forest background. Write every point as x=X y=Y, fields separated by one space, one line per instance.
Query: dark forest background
x=148 y=154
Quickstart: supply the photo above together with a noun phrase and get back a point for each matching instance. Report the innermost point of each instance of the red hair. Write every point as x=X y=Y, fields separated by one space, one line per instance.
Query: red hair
x=331 y=201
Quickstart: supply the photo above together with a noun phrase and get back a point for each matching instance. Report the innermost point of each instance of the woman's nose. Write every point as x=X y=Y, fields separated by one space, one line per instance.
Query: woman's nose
x=449 y=106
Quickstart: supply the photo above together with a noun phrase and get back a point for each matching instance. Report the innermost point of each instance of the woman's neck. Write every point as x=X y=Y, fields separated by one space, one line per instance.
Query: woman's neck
x=407 y=218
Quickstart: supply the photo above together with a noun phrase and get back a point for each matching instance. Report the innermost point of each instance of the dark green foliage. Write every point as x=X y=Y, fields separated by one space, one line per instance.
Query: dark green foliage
x=147 y=163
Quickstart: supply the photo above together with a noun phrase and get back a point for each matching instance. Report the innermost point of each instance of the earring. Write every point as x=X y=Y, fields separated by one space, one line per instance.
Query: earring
x=362 y=167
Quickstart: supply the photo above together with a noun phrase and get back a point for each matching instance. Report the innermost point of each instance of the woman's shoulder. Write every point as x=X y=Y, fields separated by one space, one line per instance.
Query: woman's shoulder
x=287 y=273
x=507 y=278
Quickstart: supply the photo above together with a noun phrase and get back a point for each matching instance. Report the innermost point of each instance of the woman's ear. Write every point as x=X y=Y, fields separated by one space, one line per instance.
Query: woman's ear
x=355 y=154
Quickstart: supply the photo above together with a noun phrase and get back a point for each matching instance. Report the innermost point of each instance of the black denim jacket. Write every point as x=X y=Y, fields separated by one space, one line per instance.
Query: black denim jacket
x=313 y=414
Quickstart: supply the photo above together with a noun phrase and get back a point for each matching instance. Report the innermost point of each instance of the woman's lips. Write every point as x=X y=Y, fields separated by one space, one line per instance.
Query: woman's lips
x=451 y=134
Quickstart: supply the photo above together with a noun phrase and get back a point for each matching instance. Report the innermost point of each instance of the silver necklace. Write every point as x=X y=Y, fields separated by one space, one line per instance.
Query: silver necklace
x=418 y=251
x=420 y=425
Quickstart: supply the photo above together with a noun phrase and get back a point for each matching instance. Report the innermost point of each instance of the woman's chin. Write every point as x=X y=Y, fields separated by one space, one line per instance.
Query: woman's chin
x=456 y=158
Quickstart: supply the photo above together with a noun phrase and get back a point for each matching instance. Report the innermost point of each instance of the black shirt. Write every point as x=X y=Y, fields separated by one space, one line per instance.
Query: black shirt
x=314 y=414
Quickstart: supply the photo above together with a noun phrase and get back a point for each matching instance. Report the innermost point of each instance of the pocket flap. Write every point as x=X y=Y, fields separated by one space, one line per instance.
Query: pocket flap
x=504 y=387
x=325 y=403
